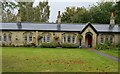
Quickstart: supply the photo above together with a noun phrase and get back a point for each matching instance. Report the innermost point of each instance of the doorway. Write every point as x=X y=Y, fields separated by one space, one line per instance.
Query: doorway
x=88 y=39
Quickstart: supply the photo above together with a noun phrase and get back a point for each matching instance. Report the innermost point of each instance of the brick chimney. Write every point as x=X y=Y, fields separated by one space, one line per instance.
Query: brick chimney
x=112 y=20
x=58 y=21
x=19 y=20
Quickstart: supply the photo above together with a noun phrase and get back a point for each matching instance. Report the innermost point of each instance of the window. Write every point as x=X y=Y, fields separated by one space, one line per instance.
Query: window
x=25 y=37
x=107 y=37
x=0 y=38
x=101 y=38
x=5 y=37
x=48 y=38
x=9 y=37
x=111 y=39
x=69 y=38
x=63 y=38
x=30 y=38
x=74 y=39
x=44 y=39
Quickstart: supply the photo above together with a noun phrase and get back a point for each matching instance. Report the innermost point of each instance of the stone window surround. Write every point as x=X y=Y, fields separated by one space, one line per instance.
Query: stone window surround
x=46 y=37
x=28 y=37
x=65 y=38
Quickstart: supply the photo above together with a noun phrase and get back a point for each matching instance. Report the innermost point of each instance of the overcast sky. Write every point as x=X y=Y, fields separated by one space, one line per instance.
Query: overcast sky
x=60 y=5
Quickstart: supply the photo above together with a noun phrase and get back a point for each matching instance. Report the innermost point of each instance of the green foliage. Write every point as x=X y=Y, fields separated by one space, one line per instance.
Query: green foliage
x=42 y=12
x=40 y=37
x=49 y=45
x=56 y=37
x=26 y=11
x=94 y=14
x=75 y=15
x=102 y=47
x=80 y=36
x=7 y=11
x=67 y=45
x=117 y=11
x=106 y=45
x=101 y=10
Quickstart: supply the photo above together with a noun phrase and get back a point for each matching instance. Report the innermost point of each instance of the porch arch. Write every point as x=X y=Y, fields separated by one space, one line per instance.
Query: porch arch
x=88 y=39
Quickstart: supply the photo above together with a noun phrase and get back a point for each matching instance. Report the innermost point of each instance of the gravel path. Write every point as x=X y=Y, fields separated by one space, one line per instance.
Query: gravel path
x=105 y=55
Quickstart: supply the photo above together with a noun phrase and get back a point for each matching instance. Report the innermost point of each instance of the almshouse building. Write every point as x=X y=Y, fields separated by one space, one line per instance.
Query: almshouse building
x=83 y=34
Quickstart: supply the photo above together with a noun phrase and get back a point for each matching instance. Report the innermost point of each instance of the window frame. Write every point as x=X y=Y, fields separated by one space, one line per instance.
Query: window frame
x=0 y=38
x=111 y=38
x=69 y=38
x=10 y=37
x=74 y=39
x=5 y=37
x=101 y=38
x=30 y=37
x=63 y=38
x=48 y=38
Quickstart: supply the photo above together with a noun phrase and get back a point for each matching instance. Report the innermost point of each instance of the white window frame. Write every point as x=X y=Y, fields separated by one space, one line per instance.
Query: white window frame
x=63 y=38
x=74 y=39
x=48 y=38
x=69 y=39
x=30 y=37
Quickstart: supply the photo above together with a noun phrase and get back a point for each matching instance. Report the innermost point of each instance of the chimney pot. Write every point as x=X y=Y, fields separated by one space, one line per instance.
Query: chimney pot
x=58 y=21
x=58 y=14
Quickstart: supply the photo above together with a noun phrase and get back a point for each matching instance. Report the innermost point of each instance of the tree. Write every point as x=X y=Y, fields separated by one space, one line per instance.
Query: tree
x=101 y=13
x=7 y=11
x=29 y=13
x=75 y=15
x=42 y=12
x=26 y=11
x=117 y=10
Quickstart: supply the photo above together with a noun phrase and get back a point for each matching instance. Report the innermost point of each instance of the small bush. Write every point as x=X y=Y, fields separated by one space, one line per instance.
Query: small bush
x=67 y=45
x=49 y=45
x=32 y=45
x=3 y=44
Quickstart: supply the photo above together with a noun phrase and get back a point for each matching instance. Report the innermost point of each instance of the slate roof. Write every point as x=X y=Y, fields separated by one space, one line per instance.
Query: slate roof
x=53 y=27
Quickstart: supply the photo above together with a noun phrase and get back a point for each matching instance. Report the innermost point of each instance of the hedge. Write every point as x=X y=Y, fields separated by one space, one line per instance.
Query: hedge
x=67 y=45
x=49 y=45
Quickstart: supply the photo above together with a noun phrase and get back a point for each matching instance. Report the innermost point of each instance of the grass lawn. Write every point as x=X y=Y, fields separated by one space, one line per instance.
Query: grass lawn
x=19 y=59
x=112 y=52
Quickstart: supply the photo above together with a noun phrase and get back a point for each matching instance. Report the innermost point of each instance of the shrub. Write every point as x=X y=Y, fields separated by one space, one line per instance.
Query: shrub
x=32 y=45
x=106 y=45
x=49 y=45
x=27 y=45
x=3 y=44
x=67 y=45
